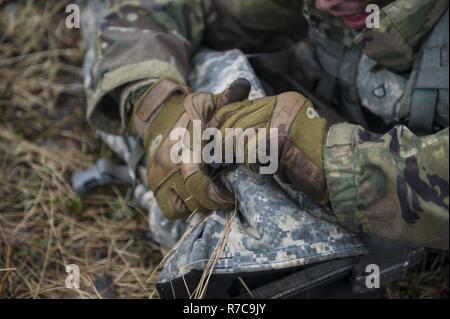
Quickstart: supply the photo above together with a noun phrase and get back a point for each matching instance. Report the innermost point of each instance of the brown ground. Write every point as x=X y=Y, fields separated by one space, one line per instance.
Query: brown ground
x=44 y=138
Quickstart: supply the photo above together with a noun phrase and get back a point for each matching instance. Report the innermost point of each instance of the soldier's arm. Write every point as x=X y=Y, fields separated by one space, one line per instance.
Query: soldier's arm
x=136 y=43
x=394 y=185
x=141 y=41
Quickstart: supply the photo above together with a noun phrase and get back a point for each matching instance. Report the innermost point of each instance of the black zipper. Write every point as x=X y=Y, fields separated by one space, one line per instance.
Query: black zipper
x=312 y=283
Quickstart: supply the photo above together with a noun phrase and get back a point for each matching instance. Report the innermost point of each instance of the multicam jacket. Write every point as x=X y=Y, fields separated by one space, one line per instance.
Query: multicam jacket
x=394 y=182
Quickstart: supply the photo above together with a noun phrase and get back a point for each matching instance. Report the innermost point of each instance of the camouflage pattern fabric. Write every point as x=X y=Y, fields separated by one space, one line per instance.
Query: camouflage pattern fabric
x=210 y=68
x=140 y=40
x=164 y=35
x=403 y=24
x=394 y=185
x=381 y=92
x=262 y=238
x=144 y=40
x=272 y=231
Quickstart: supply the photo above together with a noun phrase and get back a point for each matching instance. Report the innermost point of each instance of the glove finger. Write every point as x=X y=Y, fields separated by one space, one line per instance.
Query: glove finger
x=226 y=112
x=252 y=147
x=174 y=199
x=239 y=90
x=249 y=116
x=204 y=189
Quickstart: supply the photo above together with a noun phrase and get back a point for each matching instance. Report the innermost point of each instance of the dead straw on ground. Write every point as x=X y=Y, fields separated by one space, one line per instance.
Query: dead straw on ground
x=44 y=138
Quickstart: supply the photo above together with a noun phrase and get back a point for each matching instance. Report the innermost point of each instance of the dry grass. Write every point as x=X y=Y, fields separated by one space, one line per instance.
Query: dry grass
x=43 y=140
x=428 y=280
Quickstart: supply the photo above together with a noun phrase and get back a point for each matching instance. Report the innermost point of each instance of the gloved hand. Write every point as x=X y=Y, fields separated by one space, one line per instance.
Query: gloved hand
x=301 y=134
x=182 y=188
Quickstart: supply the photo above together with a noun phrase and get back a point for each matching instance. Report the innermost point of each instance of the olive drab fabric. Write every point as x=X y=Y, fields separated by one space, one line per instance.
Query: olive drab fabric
x=299 y=132
x=394 y=184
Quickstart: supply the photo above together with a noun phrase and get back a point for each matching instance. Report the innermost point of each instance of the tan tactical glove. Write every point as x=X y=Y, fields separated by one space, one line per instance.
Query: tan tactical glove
x=182 y=188
x=301 y=133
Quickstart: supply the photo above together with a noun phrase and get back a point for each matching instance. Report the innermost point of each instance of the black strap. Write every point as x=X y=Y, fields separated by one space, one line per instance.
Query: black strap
x=423 y=107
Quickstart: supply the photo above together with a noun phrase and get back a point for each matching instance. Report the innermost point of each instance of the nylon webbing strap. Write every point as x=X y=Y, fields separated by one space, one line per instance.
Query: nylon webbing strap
x=434 y=70
x=432 y=75
x=423 y=106
x=152 y=101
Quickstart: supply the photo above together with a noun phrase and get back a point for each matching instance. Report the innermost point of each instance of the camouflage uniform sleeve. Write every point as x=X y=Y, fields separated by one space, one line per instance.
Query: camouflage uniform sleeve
x=137 y=41
x=144 y=40
x=393 y=185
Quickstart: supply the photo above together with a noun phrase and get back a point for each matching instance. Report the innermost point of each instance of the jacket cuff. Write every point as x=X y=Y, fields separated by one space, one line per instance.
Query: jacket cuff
x=103 y=112
x=342 y=176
